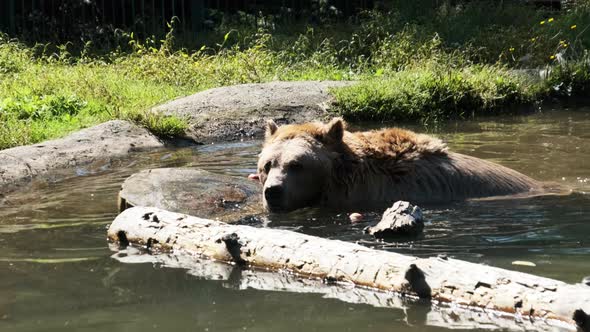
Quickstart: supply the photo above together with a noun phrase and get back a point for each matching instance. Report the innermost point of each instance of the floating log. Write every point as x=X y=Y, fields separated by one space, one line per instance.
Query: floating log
x=413 y=312
x=442 y=280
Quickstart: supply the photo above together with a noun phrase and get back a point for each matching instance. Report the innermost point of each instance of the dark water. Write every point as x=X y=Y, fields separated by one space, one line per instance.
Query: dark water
x=57 y=274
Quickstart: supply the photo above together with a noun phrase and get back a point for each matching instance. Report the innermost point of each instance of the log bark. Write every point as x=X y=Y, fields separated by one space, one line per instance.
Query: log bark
x=442 y=280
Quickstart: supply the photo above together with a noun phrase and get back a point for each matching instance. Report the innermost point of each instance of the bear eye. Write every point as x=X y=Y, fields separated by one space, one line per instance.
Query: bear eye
x=295 y=167
x=267 y=167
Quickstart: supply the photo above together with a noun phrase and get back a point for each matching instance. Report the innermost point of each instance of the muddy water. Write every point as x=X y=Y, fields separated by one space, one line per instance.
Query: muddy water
x=56 y=273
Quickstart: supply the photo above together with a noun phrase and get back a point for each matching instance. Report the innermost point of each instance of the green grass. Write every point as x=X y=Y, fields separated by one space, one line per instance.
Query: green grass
x=431 y=93
x=416 y=62
x=48 y=96
x=43 y=98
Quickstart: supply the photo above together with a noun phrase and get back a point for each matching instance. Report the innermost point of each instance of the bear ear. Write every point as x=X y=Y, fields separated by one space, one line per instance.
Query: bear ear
x=271 y=128
x=335 y=130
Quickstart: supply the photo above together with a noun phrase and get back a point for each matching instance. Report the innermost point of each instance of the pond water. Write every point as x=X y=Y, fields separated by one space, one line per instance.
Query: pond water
x=56 y=270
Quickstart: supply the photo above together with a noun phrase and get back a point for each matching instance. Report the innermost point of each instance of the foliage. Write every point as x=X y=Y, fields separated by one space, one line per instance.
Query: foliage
x=571 y=79
x=445 y=60
x=432 y=93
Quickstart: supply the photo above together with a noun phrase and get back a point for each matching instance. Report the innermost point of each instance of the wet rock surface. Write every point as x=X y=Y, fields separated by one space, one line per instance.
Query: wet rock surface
x=193 y=191
x=57 y=159
x=402 y=218
x=238 y=111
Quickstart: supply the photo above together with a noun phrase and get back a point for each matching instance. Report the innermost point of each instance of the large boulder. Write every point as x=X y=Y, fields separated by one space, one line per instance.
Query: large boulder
x=238 y=111
x=192 y=191
x=82 y=151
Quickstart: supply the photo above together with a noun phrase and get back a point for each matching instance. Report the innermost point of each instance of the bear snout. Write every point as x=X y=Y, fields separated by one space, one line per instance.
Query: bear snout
x=274 y=195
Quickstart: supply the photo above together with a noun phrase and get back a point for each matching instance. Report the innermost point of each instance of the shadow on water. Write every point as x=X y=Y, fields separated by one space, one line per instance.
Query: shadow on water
x=56 y=272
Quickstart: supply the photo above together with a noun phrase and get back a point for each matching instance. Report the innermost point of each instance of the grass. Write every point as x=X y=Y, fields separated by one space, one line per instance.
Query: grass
x=429 y=93
x=412 y=65
x=43 y=98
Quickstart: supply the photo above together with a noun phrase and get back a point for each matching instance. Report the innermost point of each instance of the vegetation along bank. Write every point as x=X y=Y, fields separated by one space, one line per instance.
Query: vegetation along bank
x=413 y=63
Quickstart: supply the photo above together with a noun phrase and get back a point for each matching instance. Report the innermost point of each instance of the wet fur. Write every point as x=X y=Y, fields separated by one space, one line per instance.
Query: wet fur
x=375 y=168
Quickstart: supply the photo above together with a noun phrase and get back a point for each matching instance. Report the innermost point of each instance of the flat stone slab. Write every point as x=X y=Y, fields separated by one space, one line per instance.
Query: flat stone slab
x=60 y=158
x=192 y=191
x=238 y=111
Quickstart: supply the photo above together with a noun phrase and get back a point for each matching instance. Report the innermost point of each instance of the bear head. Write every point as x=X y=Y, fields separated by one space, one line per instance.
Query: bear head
x=296 y=163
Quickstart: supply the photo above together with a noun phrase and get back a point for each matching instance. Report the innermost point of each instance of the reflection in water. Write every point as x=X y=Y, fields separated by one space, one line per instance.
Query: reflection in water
x=56 y=272
x=413 y=311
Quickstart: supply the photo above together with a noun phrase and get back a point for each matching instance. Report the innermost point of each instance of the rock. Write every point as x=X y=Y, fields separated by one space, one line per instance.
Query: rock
x=402 y=218
x=233 y=112
x=80 y=152
x=192 y=191
x=355 y=217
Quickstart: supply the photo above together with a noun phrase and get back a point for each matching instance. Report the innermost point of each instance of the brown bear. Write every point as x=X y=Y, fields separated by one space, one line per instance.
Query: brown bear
x=316 y=164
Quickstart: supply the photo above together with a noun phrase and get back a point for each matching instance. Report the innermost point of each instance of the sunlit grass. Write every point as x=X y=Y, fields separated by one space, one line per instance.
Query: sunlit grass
x=412 y=65
x=433 y=93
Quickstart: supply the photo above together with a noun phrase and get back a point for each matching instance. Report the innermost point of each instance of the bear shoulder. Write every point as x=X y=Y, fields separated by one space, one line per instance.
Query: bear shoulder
x=393 y=143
